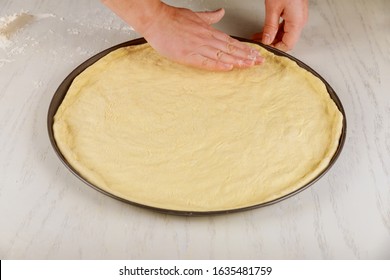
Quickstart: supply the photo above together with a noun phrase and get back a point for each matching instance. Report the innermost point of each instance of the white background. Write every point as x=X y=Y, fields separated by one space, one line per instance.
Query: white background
x=302 y=270
x=47 y=213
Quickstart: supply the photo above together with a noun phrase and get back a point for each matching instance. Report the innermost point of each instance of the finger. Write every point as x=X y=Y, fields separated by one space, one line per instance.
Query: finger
x=227 y=41
x=291 y=33
x=236 y=48
x=294 y=19
x=219 y=55
x=211 y=17
x=203 y=62
x=279 y=34
x=278 y=37
x=271 y=24
x=239 y=52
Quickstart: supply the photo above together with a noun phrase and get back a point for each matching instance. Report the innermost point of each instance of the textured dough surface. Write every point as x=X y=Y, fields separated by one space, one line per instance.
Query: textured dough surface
x=170 y=136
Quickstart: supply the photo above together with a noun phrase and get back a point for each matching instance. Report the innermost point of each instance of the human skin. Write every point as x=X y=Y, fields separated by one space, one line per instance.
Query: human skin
x=187 y=37
x=283 y=35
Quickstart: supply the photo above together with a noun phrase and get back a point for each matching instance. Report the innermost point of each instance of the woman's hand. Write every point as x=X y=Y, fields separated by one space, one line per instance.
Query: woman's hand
x=185 y=36
x=283 y=35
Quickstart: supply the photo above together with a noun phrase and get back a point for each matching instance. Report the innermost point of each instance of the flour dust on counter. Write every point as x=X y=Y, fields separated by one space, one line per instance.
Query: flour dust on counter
x=26 y=33
x=12 y=24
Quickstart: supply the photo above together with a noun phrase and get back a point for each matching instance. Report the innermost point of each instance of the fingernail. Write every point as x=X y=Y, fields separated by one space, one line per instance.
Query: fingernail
x=266 y=39
x=228 y=66
x=249 y=62
x=260 y=60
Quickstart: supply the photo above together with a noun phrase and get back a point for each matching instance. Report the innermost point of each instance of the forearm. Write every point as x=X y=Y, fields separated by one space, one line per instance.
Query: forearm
x=137 y=13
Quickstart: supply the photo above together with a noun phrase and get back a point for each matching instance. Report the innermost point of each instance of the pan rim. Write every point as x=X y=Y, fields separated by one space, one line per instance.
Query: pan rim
x=61 y=91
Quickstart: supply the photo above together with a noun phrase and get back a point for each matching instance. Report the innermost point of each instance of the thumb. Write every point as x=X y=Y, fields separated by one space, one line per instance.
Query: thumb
x=271 y=24
x=212 y=16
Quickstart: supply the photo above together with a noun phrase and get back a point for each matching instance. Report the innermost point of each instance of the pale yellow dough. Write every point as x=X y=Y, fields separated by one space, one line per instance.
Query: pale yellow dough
x=170 y=136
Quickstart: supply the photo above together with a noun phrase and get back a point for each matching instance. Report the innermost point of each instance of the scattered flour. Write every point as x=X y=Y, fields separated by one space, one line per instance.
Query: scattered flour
x=4 y=61
x=73 y=31
x=38 y=84
x=12 y=24
x=14 y=42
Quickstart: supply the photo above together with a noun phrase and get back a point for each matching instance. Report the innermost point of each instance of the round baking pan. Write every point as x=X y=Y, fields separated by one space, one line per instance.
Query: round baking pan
x=60 y=93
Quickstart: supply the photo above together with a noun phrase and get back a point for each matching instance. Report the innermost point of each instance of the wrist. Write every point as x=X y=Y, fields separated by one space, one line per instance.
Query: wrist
x=139 y=14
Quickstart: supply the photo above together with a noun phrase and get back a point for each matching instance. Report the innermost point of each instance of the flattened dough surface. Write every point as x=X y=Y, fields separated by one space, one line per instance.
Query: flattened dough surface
x=170 y=136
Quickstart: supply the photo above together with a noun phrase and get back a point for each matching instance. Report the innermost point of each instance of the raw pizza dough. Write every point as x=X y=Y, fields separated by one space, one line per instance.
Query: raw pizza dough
x=170 y=136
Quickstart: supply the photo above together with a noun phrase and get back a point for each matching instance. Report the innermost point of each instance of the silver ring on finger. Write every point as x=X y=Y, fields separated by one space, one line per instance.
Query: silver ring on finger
x=219 y=54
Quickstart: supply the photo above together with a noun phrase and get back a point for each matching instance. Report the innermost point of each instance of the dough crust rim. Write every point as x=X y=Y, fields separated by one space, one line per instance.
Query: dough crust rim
x=63 y=89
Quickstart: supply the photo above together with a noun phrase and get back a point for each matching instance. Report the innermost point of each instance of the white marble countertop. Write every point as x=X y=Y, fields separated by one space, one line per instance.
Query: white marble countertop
x=47 y=213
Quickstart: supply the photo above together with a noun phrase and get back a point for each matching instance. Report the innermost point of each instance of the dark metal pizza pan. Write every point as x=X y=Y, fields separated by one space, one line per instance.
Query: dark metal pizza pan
x=60 y=93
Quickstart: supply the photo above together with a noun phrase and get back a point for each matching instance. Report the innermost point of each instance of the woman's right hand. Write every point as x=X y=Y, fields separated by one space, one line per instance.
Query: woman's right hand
x=187 y=37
